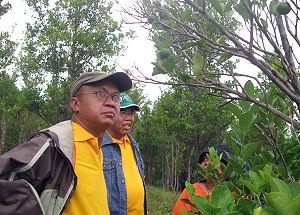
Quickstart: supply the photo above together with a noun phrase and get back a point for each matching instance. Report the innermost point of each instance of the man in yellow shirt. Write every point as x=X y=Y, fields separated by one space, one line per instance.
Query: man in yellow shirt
x=123 y=164
x=95 y=107
x=59 y=170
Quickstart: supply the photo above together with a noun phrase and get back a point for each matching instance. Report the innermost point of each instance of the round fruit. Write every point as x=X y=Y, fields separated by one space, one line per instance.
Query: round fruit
x=164 y=53
x=283 y=8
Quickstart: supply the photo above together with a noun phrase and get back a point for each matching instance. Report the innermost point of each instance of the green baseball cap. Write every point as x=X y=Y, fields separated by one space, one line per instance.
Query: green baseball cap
x=127 y=102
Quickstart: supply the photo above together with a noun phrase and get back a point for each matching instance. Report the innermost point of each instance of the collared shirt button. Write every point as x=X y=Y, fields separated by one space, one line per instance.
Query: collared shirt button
x=123 y=181
x=120 y=164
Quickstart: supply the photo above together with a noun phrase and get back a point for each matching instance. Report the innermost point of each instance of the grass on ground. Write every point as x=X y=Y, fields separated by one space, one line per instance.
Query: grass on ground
x=159 y=201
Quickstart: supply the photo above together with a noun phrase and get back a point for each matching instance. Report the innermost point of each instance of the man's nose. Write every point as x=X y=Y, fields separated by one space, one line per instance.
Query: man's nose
x=109 y=101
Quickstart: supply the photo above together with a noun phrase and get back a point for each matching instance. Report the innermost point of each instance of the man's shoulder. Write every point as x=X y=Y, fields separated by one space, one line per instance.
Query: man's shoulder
x=106 y=139
x=56 y=132
x=65 y=134
x=61 y=127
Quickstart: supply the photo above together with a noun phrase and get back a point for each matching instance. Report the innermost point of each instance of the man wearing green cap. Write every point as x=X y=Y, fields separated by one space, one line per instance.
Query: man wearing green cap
x=123 y=164
x=59 y=170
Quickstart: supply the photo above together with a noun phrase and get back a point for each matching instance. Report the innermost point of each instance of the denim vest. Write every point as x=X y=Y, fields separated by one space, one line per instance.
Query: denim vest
x=114 y=176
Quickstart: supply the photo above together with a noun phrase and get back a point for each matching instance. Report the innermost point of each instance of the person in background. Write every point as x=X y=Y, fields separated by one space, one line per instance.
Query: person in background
x=205 y=186
x=123 y=164
x=59 y=170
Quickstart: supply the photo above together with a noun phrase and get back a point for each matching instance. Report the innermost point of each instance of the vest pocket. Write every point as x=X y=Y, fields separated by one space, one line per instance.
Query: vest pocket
x=109 y=170
x=110 y=175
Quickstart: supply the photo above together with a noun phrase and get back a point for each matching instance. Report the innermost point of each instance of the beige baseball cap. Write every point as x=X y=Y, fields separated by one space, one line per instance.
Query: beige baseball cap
x=120 y=79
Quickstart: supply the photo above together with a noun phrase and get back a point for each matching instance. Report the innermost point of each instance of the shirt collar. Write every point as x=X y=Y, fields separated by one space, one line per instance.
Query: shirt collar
x=80 y=134
x=124 y=140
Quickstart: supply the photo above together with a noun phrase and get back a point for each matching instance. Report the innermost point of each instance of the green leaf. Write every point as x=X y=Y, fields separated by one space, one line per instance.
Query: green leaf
x=158 y=69
x=245 y=105
x=190 y=188
x=244 y=206
x=229 y=14
x=187 y=201
x=273 y=7
x=237 y=166
x=235 y=109
x=249 y=88
x=278 y=185
x=203 y=204
x=264 y=211
x=296 y=203
x=184 y=77
x=242 y=11
x=266 y=156
x=239 y=135
x=245 y=122
x=256 y=180
x=248 y=184
x=221 y=197
x=233 y=144
x=268 y=169
x=228 y=170
x=187 y=212
x=197 y=63
x=224 y=57
x=217 y=6
x=228 y=6
x=157 y=41
x=280 y=202
x=249 y=149
x=187 y=14
x=295 y=188
x=169 y=64
x=264 y=23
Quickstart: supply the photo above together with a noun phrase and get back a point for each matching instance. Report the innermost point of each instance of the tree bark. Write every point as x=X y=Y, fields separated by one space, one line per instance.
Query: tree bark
x=2 y=132
x=23 y=116
x=191 y=151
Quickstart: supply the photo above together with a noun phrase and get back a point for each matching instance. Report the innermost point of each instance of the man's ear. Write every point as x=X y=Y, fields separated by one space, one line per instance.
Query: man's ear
x=74 y=104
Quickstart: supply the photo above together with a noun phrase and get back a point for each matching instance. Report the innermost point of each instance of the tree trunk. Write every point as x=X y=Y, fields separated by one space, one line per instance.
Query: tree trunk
x=173 y=168
x=21 y=127
x=189 y=160
x=167 y=172
x=175 y=177
x=2 y=132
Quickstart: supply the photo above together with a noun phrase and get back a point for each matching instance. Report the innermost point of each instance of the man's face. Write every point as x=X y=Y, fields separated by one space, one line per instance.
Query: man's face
x=94 y=113
x=206 y=162
x=123 y=123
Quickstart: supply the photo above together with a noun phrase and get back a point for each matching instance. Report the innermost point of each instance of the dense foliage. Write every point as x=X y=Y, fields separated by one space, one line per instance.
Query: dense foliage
x=62 y=39
x=199 y=43
x=181 y=123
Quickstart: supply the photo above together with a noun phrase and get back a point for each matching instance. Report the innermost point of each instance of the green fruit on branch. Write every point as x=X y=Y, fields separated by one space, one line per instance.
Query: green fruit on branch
x=283 y=8
x=164 y=53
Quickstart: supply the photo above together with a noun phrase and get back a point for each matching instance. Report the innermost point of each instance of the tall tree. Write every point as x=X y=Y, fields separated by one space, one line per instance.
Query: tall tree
x=183 y=120
x=8 y=89
x=65 y=39
x=267 y=38
x=268 y=41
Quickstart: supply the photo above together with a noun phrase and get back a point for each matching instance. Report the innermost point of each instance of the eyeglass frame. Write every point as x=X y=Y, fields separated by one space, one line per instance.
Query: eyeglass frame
x=123 y=113
x=105 y=97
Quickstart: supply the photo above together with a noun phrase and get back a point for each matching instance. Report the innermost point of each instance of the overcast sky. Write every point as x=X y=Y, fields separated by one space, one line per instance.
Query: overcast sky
x=140 y=51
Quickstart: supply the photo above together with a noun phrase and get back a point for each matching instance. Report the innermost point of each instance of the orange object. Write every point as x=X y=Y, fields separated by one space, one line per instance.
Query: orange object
x=181 y=206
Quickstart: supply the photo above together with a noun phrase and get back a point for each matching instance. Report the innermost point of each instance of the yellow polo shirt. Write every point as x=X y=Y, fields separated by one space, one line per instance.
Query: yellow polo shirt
x=133 y=180
x=90 y=196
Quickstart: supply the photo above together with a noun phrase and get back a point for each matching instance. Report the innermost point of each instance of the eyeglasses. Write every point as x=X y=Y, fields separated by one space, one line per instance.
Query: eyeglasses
x=103 y=96
x=124 y=113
